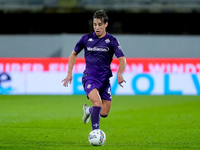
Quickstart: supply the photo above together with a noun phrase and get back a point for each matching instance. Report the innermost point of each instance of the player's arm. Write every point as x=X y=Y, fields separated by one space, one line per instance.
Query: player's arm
x=72 y=60
x=122 y=66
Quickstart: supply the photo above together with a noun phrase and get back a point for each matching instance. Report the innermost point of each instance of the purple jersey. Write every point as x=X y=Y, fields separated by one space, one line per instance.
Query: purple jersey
x=99 y=54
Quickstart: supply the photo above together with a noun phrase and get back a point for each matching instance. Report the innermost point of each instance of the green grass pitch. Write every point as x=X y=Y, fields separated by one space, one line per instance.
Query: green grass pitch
x=54 y=122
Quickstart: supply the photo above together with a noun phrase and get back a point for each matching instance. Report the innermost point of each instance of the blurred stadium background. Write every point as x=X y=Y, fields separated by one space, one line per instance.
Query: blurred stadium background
x=126 y=16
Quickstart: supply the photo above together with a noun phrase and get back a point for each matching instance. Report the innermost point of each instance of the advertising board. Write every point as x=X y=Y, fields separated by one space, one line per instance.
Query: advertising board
x=144 y=76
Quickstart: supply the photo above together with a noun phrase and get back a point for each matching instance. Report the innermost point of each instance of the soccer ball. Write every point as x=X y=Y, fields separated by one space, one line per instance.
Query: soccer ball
x=97 y=137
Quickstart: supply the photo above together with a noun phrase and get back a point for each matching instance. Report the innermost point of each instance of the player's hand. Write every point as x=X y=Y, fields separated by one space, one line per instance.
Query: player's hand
x=67 y=80
x=120 y=79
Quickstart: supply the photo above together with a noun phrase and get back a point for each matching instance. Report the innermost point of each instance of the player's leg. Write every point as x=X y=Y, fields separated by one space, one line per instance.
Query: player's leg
x=106 y=99
x=90 y=88
x=96 y=109
x=106 y=104
x=95 y=98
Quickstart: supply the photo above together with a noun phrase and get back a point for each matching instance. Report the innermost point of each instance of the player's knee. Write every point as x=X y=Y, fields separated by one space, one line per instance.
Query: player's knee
x=96 y=102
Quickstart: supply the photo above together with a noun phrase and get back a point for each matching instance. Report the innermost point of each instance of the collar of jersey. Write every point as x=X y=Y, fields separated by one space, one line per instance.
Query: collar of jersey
x=105 y=37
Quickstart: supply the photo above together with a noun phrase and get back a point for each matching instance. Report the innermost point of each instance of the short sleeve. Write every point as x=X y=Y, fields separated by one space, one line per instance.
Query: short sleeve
x=80 y=45
x=117 y=48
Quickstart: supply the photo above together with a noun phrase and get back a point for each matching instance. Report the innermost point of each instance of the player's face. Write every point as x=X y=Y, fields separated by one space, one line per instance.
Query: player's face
x=99 y=27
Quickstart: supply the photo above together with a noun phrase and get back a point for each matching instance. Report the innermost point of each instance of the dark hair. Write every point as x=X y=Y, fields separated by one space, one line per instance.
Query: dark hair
x=101 y=14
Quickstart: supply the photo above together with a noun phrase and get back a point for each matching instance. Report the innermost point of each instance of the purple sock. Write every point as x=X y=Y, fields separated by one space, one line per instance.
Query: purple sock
x=90 y=110
x=95 y=117
x=104 y=116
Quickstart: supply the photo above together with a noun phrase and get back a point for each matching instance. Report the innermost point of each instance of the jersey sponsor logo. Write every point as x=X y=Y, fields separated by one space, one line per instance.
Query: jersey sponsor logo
x=99 y=49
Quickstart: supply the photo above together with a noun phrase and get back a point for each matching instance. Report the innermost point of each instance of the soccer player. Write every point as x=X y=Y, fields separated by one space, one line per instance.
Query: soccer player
x=99 y=48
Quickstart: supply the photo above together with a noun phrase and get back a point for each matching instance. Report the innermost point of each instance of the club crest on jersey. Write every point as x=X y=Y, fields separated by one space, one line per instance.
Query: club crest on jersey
x=107 y=40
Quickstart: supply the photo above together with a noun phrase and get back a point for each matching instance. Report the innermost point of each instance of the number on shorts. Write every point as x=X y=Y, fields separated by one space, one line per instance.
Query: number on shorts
x=109 y=91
